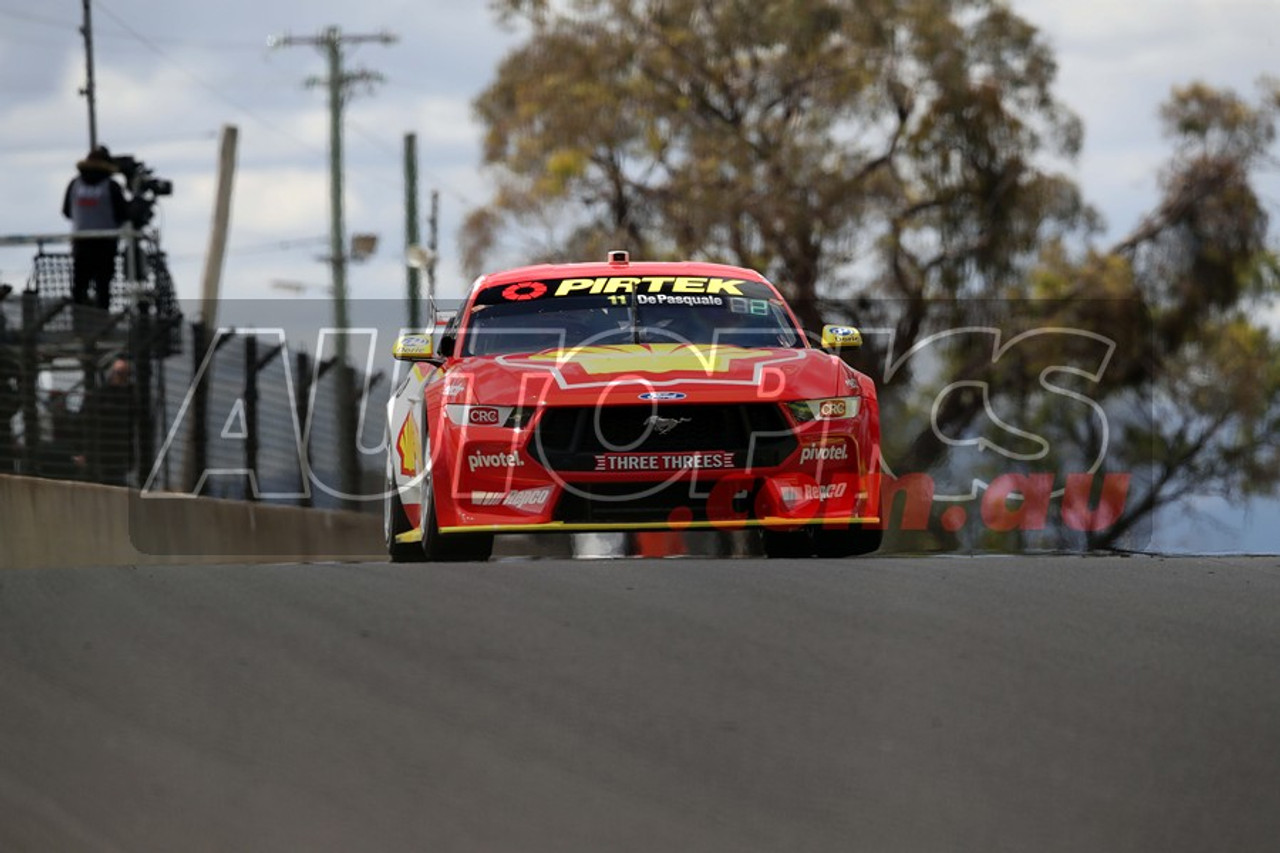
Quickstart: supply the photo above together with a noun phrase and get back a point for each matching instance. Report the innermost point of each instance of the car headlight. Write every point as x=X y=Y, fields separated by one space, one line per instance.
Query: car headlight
x=511 y=417
x=827 y=409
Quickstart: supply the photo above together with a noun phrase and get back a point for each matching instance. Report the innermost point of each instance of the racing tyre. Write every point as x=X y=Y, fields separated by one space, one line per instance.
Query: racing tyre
x=395 y=522
x=789 y=544
x=846 y=543
x=454 y=548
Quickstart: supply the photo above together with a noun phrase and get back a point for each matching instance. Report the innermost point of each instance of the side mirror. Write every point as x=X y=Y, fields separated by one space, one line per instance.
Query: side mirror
x=412 y=347
x=840 y=337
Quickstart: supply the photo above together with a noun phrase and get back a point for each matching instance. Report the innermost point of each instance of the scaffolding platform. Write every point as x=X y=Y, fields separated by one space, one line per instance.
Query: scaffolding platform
x=51 y=347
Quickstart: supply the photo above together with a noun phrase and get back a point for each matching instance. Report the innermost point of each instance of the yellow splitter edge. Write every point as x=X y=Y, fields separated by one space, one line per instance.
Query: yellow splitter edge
x=565 y=527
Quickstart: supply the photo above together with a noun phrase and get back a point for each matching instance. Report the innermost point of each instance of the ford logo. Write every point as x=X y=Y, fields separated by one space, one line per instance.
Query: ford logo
x=662 y=395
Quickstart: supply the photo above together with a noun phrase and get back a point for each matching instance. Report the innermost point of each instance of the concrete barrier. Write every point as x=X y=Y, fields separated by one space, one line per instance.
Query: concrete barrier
x=51 y=523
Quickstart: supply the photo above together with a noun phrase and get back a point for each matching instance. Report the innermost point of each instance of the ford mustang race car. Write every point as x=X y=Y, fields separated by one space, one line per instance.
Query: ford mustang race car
x=623 y=396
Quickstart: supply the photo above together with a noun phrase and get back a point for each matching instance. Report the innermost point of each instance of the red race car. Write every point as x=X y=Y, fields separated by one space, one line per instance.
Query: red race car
x=623 y=396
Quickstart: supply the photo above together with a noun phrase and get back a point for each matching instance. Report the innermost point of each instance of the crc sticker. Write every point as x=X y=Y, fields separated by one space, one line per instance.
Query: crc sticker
x=523 y=291
x=706 y=460
x=832 y=409
x=483 y=416
x=660 y=396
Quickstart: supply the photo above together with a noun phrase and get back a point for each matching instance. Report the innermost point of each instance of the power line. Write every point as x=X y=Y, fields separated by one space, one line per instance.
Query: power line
x=434 y=177
x=39 y=19
x=151 y=42
x=165 y=55
x=181 y=41
x=185 y=42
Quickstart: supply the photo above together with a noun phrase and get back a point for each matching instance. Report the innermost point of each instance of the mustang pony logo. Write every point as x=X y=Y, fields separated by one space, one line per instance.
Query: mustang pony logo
x=662 y=425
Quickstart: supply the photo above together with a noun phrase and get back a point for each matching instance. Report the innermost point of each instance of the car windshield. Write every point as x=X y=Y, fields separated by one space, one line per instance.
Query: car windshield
x=542 y=315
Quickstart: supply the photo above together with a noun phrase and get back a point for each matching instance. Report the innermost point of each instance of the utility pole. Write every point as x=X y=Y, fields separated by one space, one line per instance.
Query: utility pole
x=89 y=90
x=433 y=229
x=411 y=224
x=211 y=281
x=339 y=82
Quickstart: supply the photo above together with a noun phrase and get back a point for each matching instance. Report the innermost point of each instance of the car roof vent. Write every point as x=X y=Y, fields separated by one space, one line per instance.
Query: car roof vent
x=619 y=258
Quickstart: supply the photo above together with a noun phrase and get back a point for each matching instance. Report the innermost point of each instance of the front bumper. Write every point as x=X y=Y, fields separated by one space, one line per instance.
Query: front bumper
x=491 y=480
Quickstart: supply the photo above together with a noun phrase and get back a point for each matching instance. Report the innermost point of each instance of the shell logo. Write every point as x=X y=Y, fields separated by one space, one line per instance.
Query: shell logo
x=655 y=358
x=409 y=447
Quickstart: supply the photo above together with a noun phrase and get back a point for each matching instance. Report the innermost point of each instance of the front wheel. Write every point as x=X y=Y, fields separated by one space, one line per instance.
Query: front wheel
x=454 y=547
x=847 y=543
x=787 y=544
x=395 y=522
x=820 y=542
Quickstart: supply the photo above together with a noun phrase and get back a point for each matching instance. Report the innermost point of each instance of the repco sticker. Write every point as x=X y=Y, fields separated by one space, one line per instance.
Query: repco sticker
x=530 y=500
x=824 y=453
x=814 y=492
x=494 y=460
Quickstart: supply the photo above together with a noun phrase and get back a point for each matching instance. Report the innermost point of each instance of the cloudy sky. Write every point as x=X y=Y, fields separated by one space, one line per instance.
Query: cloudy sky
x=170 y=75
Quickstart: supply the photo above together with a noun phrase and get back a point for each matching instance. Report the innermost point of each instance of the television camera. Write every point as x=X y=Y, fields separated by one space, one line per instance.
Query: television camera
x=144 y=188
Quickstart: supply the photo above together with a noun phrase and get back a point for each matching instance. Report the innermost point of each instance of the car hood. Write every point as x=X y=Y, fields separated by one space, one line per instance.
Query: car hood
x=622 y=374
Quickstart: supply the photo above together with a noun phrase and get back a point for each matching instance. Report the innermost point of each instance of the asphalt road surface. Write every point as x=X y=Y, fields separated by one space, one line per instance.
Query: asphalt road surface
x=929 y=704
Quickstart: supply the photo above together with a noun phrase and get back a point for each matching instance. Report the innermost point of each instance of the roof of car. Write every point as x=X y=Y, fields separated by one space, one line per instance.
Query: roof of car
x=604 y=268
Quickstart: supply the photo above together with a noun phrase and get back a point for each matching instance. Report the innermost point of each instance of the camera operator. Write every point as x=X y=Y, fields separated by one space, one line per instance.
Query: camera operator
x=107 y=417
x=94 y=202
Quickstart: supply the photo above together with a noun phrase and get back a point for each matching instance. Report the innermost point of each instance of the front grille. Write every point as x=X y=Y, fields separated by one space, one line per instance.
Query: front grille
x=609 y=503
x=571 y=438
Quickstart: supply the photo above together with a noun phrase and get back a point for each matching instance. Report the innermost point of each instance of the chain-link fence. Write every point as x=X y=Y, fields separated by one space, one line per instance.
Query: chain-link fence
x=259 y=408
x=248 y=416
